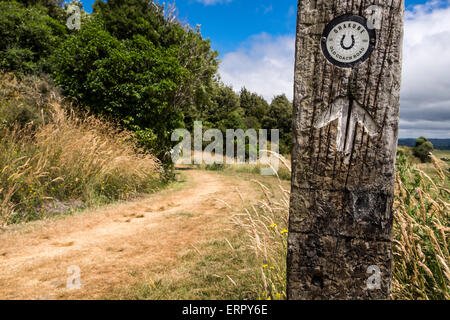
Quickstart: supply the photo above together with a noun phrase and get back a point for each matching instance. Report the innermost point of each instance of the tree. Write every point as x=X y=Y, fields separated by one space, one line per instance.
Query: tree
x=423 y=149
x=279 y=117
x=255 y=108
x=127 y=18
x=157 y=23
x=420 y=141
x=28 y=36
x=54 y=8
x=134 y=62
x=131 y=80
x=195 y=55
x=224 y=102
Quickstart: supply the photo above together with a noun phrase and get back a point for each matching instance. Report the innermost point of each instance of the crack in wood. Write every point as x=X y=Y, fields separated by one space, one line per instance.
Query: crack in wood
x=345 y=130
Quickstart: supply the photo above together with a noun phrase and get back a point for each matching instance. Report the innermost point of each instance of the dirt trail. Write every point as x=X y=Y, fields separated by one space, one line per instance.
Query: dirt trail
x=108 y=244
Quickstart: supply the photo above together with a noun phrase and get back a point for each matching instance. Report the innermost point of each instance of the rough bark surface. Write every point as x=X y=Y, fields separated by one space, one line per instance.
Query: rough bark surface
x=341 y=205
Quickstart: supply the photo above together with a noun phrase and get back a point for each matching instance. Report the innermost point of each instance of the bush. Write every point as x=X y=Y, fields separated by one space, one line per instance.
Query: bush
x=423 y=149
x=29 y=36
x=133 y=62
x=131 y=80
x=420 y=141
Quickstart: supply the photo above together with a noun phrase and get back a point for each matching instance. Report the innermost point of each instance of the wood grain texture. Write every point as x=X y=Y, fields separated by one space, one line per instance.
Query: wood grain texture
x=341 y=204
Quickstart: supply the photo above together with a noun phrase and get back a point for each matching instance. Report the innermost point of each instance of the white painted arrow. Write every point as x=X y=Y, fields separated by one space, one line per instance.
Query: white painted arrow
x=339 y=110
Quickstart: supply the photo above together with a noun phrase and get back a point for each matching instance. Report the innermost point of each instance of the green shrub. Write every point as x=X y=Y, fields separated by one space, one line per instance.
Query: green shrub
x=423 y=149
x=131 y=80
x=29 y=36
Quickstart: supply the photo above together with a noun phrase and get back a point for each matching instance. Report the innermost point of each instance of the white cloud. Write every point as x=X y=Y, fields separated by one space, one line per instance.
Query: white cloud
x=425 y=100
x=265 y=64
x=212 y=2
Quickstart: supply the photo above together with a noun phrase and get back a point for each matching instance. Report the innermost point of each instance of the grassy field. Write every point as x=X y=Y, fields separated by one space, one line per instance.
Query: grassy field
x=440 y=154
x=430 y=168
x=283 y=172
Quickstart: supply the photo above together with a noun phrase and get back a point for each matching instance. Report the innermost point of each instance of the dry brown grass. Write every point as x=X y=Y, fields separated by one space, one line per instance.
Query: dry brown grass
x=421 y=233
x=264 y=226
x=123 y=248
x=64 y=158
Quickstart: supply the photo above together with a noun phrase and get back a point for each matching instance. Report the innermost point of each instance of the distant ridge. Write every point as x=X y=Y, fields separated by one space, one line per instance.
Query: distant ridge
x=439 y=144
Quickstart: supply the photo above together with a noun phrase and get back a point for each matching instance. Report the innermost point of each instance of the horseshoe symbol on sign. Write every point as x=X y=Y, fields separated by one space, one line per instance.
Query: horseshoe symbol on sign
x=349 y=47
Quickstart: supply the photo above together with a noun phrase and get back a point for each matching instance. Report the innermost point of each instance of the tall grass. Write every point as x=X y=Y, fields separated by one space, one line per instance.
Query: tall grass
x=67 y=158
x=265 y=229
x=421 y=227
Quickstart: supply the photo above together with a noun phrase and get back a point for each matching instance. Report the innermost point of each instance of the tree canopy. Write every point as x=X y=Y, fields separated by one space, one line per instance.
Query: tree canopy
x=133 y=61
x=29 y=36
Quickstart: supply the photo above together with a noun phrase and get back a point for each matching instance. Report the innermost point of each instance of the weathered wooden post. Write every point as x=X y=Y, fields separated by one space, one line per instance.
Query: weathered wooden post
x=346 y=114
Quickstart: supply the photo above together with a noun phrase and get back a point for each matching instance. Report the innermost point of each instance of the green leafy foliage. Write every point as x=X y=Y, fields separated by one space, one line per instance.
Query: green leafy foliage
x=255 y=108
x=279 y=116
x=126 y=18
x=133 y=62
x=29 y=35
x=131 y=80
x=423 y=149
x=54 y=7
x=246 y=110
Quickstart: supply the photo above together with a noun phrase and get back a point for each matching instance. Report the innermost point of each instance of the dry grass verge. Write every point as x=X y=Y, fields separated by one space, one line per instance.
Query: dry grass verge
x=64 y=160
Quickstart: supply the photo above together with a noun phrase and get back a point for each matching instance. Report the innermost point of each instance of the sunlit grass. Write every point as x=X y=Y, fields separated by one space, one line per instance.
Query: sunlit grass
x=66 y=158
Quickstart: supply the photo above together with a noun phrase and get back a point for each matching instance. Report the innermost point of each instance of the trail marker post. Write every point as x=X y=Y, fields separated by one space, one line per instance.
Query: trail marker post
x=346 y=115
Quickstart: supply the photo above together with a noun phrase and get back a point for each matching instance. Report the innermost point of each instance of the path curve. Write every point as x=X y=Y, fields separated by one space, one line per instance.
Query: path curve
x=107 y=244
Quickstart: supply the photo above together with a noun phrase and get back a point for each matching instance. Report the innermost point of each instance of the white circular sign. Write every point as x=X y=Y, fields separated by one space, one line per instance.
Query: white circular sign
x=347 y=40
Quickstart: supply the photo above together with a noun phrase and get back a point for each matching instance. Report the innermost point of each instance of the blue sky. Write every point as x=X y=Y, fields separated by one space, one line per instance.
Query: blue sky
x=230 y=23
x=255 y=39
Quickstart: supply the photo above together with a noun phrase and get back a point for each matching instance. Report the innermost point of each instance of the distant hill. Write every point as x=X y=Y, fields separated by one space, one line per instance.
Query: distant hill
x=439 y=144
